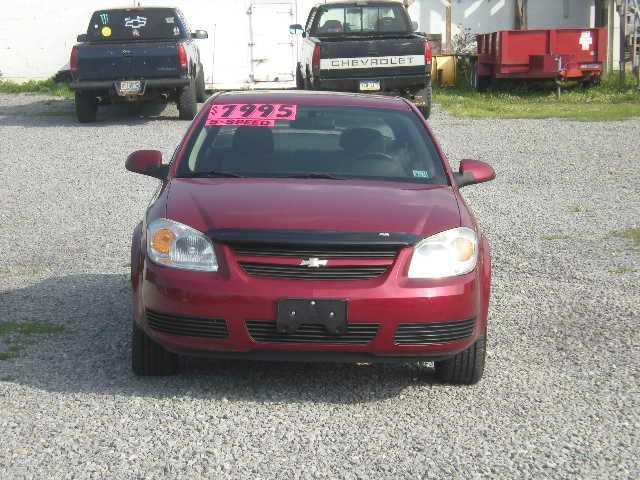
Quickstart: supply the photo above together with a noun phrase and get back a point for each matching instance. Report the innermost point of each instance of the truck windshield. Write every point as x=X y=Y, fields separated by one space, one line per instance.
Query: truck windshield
x=362 y=20
x=134 y=24
x=320 y=141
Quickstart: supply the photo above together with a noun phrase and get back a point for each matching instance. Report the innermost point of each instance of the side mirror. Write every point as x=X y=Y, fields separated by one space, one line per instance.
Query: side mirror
x=199 y=34
x=414 y=26
x=474 y=171
x=82 y=37
x=294 y=28
x=147 y=162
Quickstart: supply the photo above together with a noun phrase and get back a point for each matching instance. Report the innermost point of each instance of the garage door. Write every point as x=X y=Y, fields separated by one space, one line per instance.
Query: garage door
x=272 y=47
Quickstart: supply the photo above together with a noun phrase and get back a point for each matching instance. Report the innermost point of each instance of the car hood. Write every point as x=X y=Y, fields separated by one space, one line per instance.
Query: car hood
x=295 y=204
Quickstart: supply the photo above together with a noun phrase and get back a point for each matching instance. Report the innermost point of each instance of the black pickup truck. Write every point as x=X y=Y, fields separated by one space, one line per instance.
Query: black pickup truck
x=137 y=55
x=366 y=46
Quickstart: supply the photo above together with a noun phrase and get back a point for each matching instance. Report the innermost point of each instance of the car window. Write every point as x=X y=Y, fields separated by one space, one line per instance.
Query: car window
x=135 y=24
x=358 y=20
x=349 y=142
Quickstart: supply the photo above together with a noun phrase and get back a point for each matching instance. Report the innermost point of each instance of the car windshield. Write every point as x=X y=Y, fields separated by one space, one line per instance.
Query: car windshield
x=359 y=20
x=134 y=24
x=315 y=141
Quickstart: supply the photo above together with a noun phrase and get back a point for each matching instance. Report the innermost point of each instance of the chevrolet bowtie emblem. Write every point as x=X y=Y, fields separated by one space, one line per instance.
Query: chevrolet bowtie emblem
x=313 y=263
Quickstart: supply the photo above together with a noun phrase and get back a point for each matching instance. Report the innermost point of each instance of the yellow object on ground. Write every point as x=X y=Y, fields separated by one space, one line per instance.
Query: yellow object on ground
x=443 y=70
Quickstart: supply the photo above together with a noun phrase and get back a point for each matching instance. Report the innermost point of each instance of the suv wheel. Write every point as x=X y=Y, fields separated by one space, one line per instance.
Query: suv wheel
x=187 y=105
x=299 y=78
x=466 y=367
x=148 y=358
x=201 y=90
x=86 y=107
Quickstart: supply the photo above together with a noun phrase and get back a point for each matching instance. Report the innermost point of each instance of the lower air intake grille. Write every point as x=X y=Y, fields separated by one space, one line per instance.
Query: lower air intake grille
x=213 y=328
x=305 y=273
x=430 y=333
x=357 y=334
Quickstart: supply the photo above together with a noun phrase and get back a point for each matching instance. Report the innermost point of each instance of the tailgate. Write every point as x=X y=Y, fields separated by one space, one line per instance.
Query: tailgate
x=379 y=57
x=114 y=61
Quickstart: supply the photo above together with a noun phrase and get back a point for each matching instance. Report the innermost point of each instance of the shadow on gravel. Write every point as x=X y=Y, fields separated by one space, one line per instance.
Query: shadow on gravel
x=92 y=355
x=61 y=113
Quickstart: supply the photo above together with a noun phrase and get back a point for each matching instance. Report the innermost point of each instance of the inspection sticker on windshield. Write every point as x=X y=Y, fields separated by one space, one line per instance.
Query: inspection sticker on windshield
x=421 y=174
x=250 y=115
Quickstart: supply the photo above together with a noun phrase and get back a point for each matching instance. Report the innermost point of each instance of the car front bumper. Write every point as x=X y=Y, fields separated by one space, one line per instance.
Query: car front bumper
x=392 y=302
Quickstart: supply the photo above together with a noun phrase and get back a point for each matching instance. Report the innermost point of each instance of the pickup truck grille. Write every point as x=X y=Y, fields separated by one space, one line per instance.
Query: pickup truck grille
x=331 y=263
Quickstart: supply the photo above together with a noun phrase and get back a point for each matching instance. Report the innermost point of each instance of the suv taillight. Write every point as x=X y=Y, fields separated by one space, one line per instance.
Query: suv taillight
x=73 y=61
x=315 y=61
x=428 y=56
x=182 y=53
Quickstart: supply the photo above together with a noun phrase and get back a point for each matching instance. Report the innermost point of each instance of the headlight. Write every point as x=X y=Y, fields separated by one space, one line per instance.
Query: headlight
x=446 y=254
x=175 y=245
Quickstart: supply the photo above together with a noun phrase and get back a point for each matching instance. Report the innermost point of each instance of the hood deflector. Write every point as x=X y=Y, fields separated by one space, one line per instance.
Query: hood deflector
x=313 y=238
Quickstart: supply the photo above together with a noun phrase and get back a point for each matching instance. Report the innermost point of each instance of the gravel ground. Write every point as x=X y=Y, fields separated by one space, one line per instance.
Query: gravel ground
x=559 y=398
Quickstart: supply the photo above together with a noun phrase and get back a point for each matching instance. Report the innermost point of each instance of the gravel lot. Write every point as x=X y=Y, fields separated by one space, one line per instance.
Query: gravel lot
x=559 y=399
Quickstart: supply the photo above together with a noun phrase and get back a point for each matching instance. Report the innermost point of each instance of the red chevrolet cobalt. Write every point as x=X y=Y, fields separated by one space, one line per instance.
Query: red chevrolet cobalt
x=310 y=226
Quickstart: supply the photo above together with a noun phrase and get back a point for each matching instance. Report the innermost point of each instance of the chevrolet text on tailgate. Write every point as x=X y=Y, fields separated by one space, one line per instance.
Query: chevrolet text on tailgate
x=137 y=55
x=365 y=47
x=310 y=226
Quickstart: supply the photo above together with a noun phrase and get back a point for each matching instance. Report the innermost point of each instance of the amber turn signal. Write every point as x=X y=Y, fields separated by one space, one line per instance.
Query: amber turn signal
x=162 y=241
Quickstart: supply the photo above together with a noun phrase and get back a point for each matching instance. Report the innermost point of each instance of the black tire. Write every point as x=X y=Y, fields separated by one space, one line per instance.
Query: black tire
x=465 y=368
x=299 y=78
x=187 y=104
x=150 y=359
x=424 y=99
x=86 y=107
x=306 y=83
x=201 y=90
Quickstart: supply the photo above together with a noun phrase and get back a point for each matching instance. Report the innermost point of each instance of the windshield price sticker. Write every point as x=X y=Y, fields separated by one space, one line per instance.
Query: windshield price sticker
x=250 y=115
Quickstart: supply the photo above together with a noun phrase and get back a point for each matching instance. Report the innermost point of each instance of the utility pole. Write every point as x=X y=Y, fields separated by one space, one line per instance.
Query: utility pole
x=610 y=27
x=449 y=19
x=623 y=39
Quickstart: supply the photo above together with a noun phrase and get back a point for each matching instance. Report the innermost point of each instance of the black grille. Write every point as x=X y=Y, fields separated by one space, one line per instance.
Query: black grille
x=357 y=334
x=213 y=328
x=319 y=252
x=429 y=333
x=305 y=273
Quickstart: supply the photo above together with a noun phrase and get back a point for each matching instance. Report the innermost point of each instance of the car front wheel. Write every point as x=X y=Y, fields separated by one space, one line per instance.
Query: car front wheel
x=149 y=358
x=465 y=368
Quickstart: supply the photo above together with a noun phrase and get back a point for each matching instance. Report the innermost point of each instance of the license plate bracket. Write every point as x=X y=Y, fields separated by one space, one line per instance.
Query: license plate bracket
x=293 y=312
x=369 y=85
x=129 y=87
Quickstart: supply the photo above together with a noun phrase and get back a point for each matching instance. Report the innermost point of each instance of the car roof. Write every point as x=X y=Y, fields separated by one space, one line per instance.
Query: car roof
x=304 y=97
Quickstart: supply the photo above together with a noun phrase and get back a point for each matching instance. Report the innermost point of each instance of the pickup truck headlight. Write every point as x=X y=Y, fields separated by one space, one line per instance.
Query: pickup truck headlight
x=446 y=254
x=172 y=244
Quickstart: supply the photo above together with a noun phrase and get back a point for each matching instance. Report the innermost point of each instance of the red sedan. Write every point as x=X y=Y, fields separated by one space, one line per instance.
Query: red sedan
x=310 y=226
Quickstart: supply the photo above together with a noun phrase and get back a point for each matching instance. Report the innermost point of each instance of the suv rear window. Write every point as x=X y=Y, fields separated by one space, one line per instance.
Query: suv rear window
x=135 y=24
x=336 y=141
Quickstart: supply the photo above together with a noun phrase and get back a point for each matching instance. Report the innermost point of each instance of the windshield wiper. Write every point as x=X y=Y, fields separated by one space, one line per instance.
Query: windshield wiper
x=215 y=173
x=317 y=175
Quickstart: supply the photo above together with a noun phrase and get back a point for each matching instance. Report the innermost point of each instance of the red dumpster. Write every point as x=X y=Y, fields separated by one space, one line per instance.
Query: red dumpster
x=560 y=54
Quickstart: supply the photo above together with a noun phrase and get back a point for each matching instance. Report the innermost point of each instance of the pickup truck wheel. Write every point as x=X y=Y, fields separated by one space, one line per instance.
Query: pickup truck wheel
x=187 y=105
x=465 y=368
x=299 y=78
x=423 y=99
x=201 y=91
x=86 y=107
x=150 y=359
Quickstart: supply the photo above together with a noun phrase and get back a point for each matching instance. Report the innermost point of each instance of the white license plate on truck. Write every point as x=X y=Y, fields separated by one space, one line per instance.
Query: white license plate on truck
x=129 y=87
x=369 y=85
